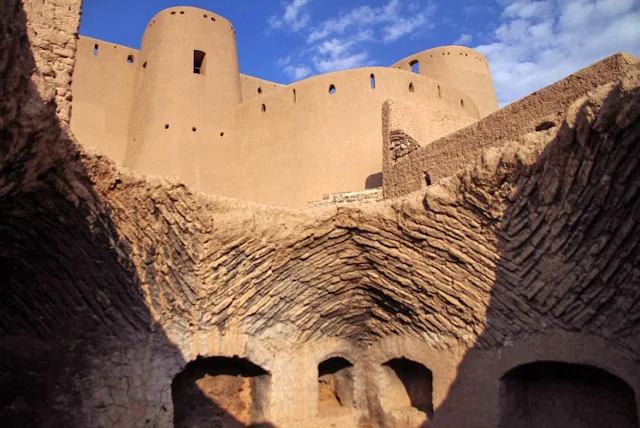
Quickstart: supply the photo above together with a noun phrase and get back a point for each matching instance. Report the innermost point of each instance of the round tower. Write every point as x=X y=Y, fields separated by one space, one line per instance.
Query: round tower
x=458 y=66
x=187 y=86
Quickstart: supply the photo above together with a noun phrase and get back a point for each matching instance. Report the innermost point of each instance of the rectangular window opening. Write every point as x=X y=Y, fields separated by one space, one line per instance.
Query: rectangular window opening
x=415 y=66
x=198 y=62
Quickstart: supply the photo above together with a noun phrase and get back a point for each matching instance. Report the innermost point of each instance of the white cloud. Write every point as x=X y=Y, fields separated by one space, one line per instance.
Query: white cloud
x=342 y=63
x=540 y=42
x=293 y=19
x=400 y=27
x=524 y=9
x=464 y=39
x=340 y=42
x=391 y=20
x=338 y=54
x=295 y=72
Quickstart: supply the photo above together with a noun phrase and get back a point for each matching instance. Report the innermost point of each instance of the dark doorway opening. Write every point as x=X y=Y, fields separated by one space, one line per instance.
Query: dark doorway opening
x=221 y=392
x=555 y=394
x=335 y=386
x=408 y=385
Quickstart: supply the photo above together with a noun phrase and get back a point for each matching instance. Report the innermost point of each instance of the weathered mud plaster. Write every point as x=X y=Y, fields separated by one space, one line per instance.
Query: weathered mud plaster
x=114 y=282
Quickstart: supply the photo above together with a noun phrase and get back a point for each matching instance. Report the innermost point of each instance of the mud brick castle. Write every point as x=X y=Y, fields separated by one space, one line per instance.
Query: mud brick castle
x=184 y=245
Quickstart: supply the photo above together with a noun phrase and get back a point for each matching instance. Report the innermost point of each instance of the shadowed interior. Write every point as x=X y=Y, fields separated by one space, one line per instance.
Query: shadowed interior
x=218 y=391
x=554 y=394
x=411 y=386
x=113 y=279
x=335 y=386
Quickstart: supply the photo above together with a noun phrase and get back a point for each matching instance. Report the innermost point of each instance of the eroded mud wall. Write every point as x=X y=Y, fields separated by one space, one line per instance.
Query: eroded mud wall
x=115 y=281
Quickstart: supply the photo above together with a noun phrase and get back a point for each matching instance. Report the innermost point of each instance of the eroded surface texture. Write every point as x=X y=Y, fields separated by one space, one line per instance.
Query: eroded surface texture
x=112 y=282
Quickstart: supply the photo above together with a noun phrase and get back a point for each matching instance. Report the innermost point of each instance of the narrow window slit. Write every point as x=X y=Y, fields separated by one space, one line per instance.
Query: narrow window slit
x=198 y=62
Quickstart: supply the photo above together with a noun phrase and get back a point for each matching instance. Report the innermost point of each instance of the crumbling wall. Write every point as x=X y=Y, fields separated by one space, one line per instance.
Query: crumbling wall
x=536 y=112
x=114 y=281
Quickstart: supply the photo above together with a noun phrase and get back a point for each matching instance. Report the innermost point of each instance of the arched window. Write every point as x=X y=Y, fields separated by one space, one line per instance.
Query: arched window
x=130 y=59
x=411 y=88
x=372 y=80
x=95 y=50
x=332 y=89
x=415 y=66
x=559 y=394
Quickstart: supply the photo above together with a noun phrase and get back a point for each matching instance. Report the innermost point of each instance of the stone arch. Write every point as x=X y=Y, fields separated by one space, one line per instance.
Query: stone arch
x=406 y=390
x=219 y=391
x=335 y=386
x=551 y=393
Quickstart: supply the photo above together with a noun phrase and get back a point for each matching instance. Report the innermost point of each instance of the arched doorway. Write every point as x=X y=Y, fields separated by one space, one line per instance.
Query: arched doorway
x=562 y=395
x=219 y=391
x=407 y=392
x=335 y=387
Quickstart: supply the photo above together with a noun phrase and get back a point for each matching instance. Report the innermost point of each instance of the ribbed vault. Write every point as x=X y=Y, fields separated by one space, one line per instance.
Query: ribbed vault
x=549 y=231
x=540 y=233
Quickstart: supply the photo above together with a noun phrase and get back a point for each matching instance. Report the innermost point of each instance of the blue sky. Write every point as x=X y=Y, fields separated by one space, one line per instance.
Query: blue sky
x=529 y=44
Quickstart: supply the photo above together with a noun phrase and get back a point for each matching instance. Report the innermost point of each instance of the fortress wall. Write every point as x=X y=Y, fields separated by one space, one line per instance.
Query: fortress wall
x=252 y=87
x=176 y=109
x=536 y=112
x=408 y=126
x=460 y=67
x=313 y=143
x=102 y=89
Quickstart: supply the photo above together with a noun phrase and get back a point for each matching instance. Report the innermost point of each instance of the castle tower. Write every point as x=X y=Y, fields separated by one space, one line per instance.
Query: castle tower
x=187 y=86
x=458 y=66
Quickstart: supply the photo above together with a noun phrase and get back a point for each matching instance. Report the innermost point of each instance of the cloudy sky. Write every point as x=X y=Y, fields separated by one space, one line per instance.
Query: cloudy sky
x=529 y=44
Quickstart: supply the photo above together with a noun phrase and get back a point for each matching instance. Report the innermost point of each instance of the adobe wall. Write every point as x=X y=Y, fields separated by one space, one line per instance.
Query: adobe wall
x=406 y=127
x=536 y=112
x=460 y=67
x=252 y=87
x=103 y=91
x=300 y=146
x=173 y=105
x=155 y=115
x=115 y=280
